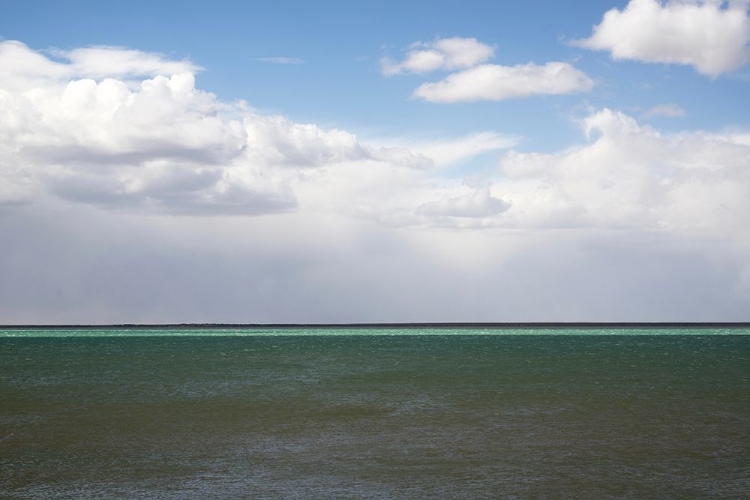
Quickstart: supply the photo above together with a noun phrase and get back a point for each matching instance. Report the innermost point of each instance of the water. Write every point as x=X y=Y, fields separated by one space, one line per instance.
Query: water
x=375 y=414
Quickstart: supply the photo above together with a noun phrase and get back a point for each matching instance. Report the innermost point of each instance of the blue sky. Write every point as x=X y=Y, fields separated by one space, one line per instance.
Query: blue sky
x=340 y=44
x=614 y=131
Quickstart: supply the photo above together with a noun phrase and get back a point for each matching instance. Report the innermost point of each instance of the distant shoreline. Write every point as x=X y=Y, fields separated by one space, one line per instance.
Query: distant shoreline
x=389 y=325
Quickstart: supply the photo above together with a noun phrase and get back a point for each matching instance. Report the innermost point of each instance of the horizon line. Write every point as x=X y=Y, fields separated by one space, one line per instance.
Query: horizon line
x=516 y=324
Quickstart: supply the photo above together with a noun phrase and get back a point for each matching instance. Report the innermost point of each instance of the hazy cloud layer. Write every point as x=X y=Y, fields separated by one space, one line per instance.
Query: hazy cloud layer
x=85 y=267
x=667 y=110
x=712 y=36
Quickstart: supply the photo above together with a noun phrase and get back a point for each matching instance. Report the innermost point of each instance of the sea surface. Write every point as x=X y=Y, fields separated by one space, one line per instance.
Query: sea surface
x=374 y=413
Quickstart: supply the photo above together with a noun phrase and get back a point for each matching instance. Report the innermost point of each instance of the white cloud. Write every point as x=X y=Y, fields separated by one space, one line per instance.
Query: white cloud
x=712 y=36
x=493 y=82
x=667 y=110
x=106 y=143
x=627 y=177
x=158 y=144
x=164 y=146
x=22 y=68
x=275 y=140
x=478 y=204
x=443 y=53
x=103 y=61
x=633 y=176
x=478 y=82
x=390 y=193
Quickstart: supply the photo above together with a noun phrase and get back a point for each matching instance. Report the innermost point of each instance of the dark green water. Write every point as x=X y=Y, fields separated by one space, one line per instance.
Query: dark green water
x=376 y=416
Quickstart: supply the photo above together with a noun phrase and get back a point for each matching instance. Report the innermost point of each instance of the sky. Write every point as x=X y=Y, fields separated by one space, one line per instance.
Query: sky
x=296 y=162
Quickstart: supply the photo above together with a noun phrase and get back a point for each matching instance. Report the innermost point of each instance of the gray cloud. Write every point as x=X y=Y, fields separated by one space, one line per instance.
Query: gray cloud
x=475 y=205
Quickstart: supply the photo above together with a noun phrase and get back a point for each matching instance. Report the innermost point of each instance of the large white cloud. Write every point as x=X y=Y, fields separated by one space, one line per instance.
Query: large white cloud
x=633 y=176
x=492 y=82
x=712 y=36
x=627 y=177
x=77 y=130
x=443 y=53
x=165 y=146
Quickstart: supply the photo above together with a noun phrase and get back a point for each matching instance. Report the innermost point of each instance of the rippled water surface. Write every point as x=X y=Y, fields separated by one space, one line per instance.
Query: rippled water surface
x=375 y=414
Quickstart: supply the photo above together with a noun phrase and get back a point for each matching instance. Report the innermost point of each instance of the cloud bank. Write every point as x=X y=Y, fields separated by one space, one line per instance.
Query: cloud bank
x=711 y=36
x=140 y=197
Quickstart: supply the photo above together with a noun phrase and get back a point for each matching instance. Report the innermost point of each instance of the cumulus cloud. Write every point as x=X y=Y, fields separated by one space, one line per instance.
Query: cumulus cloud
x=633 y=176
x=712 y=36
x=157 y=143
x=276 y=140
x=441 y=54
x=494 y=83
x=627 y=176
x=667 y=110
x=163 y=145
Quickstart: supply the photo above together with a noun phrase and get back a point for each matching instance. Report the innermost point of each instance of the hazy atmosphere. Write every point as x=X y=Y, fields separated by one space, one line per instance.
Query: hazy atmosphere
x=336 y=162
